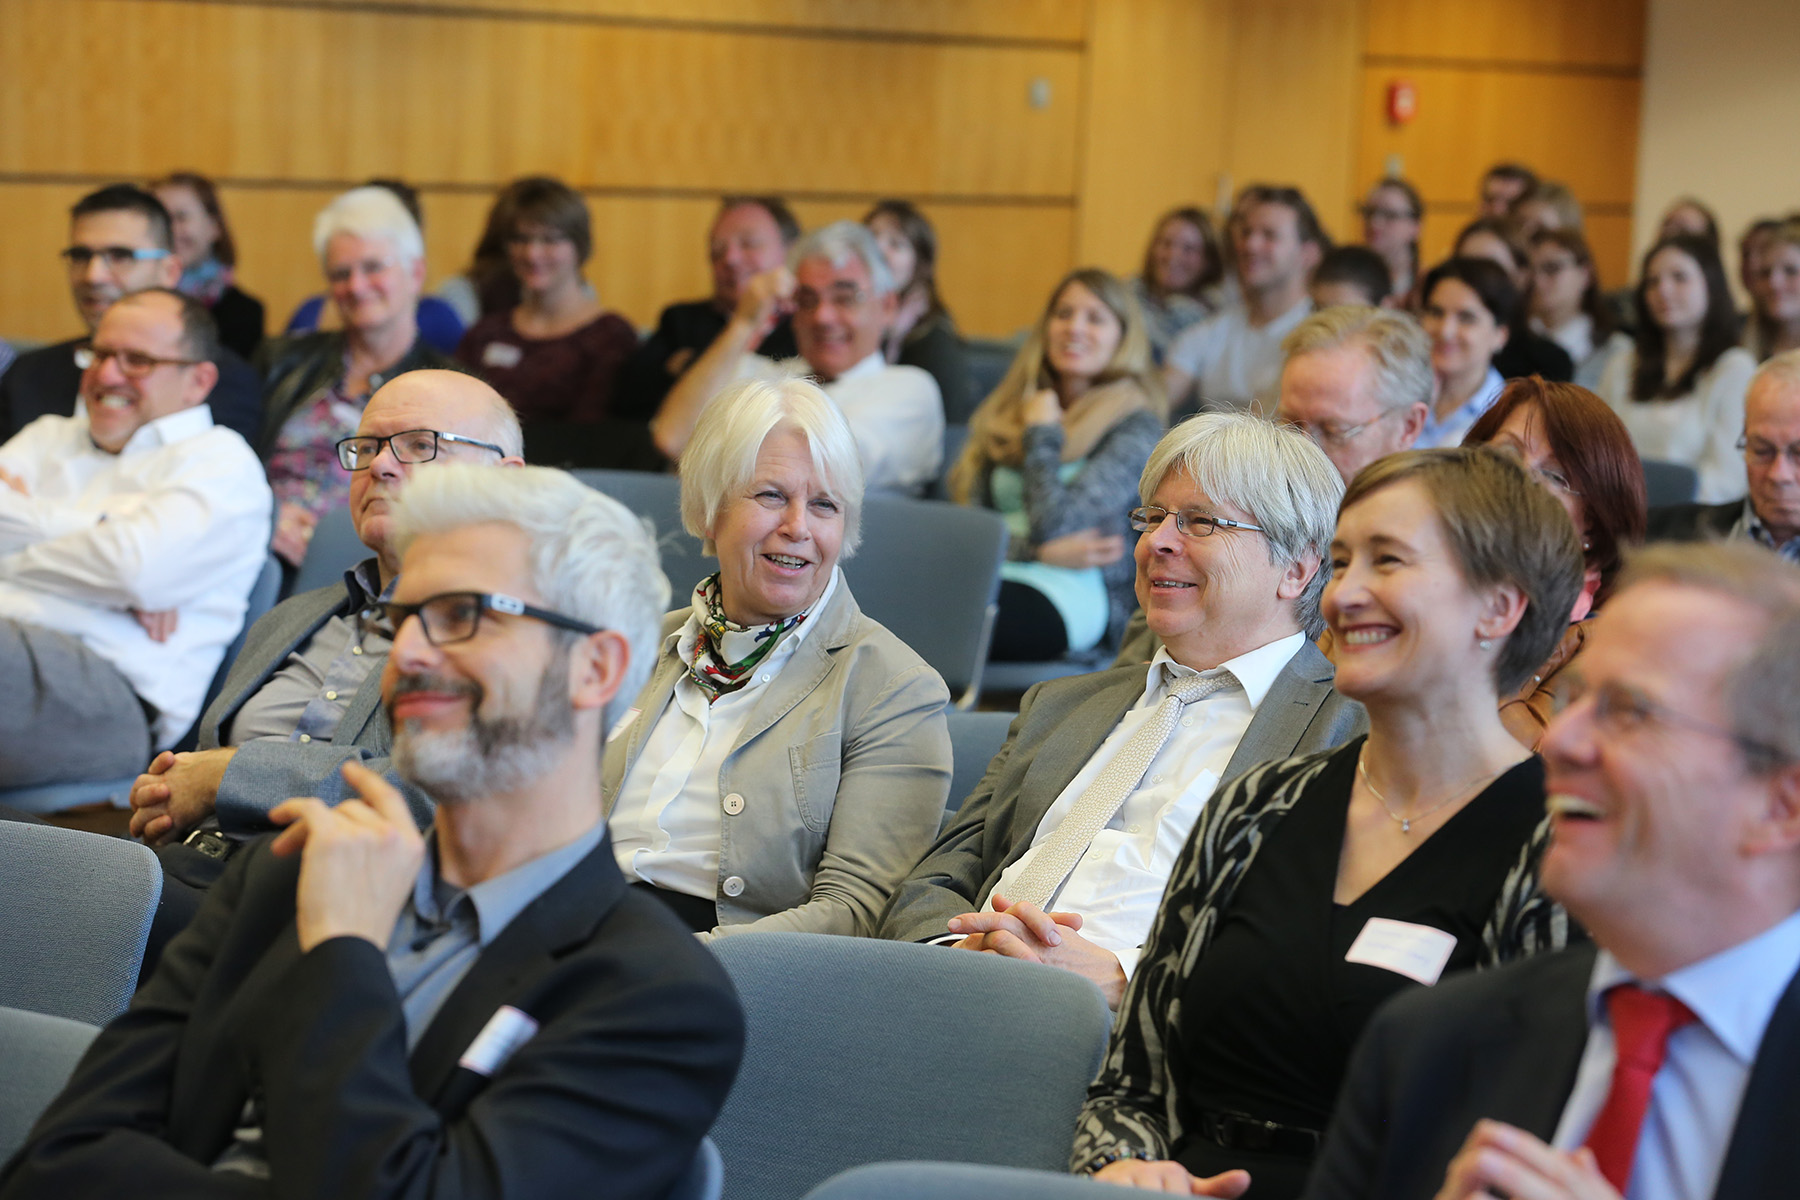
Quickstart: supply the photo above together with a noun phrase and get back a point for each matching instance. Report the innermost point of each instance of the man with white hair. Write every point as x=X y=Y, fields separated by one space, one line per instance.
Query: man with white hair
x=303 y=696
x=1062 y=852
x=1358 y=382
x=317 y=383
x=1658 y=1061
x=1770 y=514
x=120 y=242
x=840 y=291
x=483 y=1010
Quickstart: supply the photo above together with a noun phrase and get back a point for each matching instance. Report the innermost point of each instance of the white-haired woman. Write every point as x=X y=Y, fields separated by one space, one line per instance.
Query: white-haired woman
x=1314 y=888
x=788 y=761
x=1056 y=449
x=316 y=384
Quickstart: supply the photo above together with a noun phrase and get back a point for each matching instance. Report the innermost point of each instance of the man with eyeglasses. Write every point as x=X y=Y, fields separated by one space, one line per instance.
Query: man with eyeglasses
x=484 y=1010
x=130 y=536
x=1358 y=382
x=303 y=696
x=1062 y=852
x=840 y=292
x=119 y=243
x=1770 y=514
x=1657 y=1062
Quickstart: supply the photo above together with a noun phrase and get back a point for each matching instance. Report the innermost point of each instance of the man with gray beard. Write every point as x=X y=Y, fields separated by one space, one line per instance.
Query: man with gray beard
x=485 y=1010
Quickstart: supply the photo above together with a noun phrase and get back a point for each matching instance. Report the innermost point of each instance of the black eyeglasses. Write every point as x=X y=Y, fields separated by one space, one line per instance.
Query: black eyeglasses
x=841 y=295
x=133 y=363
x=1621 y=709
x=1192 y=522
x=452 y=617
x=413 y=446
x=78 y=257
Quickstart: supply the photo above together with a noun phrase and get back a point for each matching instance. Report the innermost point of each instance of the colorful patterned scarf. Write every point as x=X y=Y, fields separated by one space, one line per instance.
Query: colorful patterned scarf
x=725 y=655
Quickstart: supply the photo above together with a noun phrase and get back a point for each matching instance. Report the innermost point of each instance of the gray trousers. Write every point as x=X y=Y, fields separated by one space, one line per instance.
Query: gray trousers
x=66 y=714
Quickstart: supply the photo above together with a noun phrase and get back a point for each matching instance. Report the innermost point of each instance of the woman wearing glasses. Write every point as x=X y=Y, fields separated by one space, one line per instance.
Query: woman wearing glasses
x=557 y=354
x=788 y=761
x=1057 y=449
x=1315 y=888
x=1391 y=218
x=1564 y=303
x=316 y=384
x=1577 y=447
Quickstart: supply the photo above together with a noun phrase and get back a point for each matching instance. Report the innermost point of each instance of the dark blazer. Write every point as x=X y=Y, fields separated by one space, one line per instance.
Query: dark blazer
x=682 y=334
x=639 y=1039
x=1505 y=1044
x=46 y=381
x=1692 y=522
x=263 y=773
x=240 y=319
x=297 y=370
x=1061 y=724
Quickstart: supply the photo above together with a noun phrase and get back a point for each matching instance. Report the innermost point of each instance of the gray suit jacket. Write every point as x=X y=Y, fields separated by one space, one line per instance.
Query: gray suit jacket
x=263 y=773
x=1061 y=724
x=841 y=771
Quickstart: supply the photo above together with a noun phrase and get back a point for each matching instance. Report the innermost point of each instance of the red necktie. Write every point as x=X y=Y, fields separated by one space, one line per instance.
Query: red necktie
x=1641 y=1024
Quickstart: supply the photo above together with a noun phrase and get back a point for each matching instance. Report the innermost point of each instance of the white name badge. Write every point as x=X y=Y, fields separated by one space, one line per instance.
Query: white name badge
x=501 y=354
x=1415 y=951
x=505 y=1032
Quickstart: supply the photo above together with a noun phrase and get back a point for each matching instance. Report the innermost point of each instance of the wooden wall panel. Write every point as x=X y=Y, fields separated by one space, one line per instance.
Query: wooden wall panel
x=1602 y=33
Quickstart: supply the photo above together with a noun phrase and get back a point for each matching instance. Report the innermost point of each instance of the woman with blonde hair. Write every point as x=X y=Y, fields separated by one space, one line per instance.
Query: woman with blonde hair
x=1057 y=450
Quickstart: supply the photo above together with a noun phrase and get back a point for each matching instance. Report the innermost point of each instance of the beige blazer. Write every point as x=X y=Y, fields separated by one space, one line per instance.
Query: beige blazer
x=839 y=777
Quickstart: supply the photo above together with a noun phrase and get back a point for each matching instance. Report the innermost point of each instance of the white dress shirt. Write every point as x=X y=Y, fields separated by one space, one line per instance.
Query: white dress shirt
x=665 y=825
x=1236 y=365
x=1119 y=882
x=895 y=413
x=179 y=519
x=1694 y=1097
x=1700 y=429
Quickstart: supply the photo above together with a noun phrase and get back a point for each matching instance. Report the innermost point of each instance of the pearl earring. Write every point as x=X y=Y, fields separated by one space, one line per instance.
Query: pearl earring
x=1485 y=644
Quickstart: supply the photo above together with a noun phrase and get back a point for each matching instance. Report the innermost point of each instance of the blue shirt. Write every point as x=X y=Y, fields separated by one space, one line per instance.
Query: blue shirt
x=1452 y=429
x=1694 y=1098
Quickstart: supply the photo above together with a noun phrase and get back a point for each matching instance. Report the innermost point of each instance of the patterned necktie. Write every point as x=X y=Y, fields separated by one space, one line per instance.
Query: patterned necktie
x=1641 y=1023
x=1096 y=806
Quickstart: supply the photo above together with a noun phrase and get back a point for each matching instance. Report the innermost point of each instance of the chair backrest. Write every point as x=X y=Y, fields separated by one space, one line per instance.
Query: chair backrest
x=334 y=549
x=988 y=359
x=975 y=737
x=956 y=1181
x=930 y=572
x=859 y=1050
x=955 y=438
x=658 y=499
x=705 y=1177
x=74 y=914
x=1670 y=482
x=38 y=1053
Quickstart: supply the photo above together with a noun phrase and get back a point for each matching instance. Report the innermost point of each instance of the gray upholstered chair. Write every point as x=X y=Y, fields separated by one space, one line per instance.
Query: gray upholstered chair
x=861 y=1050
x=975 y=737
x=74 y=914
x=956 y=1181
x=37 y=1055
x=658 y=497
x=1670 y=482
x=334 y=549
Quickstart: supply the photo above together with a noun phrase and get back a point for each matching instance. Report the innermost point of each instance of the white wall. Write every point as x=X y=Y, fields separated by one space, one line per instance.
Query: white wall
x=1721 y=113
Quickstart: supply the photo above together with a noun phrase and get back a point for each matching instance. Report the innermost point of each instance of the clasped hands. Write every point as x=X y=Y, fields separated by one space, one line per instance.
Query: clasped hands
x=1020 y=930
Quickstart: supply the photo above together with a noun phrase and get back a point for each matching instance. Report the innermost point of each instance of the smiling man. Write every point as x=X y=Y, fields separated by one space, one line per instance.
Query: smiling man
x=1062 y=852
x=485 y=1010
x=1358 y=382
x=841 y=294
x=1659 y=1062
x=303 y=696
x=130 y=536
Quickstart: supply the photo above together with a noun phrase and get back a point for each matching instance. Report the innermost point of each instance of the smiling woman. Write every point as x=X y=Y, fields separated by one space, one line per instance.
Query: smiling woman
x=788 y=761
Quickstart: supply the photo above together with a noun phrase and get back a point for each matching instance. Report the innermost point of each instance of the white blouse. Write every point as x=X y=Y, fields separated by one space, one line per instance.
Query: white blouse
x=1700 y=429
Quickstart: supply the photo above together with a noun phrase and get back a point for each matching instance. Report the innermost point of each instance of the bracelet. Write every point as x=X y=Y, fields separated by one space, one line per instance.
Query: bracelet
x=1113 y=1156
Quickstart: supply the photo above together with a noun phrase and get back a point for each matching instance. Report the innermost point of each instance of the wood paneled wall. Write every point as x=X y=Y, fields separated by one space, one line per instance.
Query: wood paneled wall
x=1544 y=82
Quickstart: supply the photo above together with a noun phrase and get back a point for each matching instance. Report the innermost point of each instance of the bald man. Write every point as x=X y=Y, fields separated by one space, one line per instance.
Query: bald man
x=304 y=695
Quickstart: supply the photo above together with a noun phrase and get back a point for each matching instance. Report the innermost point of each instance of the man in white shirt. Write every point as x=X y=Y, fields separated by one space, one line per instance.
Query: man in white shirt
x=1231 y=560
x=841 y=294
x=1657 y=1063
x=130 y=536
x=1234 y=357
x=1358 y=382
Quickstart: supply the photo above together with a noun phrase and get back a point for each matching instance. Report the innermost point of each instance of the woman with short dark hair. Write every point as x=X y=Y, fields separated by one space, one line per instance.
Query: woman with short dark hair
x=1467 y=309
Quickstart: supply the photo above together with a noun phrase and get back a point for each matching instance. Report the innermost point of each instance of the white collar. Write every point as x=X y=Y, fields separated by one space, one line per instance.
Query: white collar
x=872 y=365
x=1256 y=670
x=164 y=431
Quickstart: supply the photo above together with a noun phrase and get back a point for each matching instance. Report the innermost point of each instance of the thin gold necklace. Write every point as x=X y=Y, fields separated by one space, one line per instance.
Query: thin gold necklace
x=1405 y=822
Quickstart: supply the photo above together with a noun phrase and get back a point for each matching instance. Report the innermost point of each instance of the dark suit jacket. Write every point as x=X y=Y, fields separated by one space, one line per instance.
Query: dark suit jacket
x=687 y=329
x=1692 y=522
x=262 y=774
x=46 y=381
x=1061 y=724
x=1506 y=1044
x=639 y=1038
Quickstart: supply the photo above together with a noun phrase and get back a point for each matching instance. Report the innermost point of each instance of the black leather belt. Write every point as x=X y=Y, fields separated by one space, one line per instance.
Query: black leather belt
x=211 y=843
x=1236 y=1131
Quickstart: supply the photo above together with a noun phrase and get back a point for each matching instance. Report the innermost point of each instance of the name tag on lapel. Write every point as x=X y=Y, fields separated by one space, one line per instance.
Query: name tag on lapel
x=502 y=355
x=505 y=1032
x=1415 y=951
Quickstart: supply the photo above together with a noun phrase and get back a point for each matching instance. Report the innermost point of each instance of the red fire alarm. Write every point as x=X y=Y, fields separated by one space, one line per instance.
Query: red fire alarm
x=1402 y=102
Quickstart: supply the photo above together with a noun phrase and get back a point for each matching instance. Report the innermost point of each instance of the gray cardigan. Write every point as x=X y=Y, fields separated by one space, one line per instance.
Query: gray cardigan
x=843 y=769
